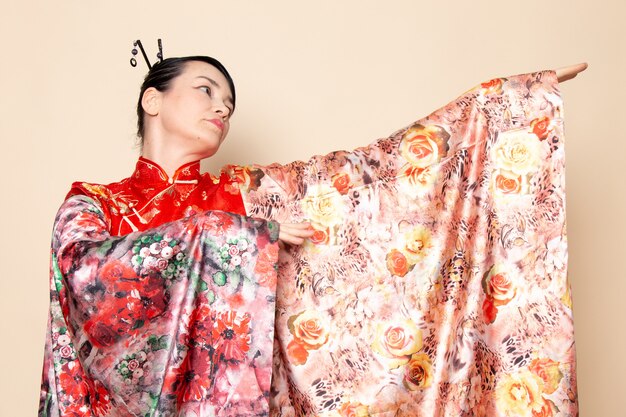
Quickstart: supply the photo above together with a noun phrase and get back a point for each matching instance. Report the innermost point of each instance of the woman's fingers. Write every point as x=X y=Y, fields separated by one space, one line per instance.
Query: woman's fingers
x=569 y=72
x=295 y=233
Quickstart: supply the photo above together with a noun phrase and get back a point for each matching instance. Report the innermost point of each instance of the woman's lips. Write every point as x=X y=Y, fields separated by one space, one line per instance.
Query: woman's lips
x=218 y=123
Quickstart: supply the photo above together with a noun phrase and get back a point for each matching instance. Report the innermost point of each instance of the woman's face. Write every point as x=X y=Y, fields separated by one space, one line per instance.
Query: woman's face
x=194 y=112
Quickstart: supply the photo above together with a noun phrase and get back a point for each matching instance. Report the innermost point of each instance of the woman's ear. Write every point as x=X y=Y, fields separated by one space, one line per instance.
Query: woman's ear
x=151 y=101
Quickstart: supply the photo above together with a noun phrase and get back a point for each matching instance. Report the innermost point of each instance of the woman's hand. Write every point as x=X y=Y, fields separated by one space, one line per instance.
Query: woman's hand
x=294 y=233
x=569 y=72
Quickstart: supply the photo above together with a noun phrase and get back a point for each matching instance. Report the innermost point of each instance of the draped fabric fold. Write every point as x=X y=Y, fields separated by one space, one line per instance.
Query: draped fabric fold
x=176 y=320
x=436 y=282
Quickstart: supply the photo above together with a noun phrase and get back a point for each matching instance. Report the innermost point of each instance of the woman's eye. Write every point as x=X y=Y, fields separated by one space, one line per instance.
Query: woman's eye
x=206 y=90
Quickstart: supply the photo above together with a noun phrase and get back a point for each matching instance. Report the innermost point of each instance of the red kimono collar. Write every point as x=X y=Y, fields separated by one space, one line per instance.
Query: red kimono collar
x=148 y=173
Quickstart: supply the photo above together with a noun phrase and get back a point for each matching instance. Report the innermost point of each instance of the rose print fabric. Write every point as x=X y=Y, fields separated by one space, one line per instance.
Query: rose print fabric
x=176 y=320
x=436 y=281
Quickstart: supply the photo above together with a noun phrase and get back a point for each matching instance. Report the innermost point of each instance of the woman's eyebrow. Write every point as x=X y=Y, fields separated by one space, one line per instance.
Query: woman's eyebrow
x=210 y=80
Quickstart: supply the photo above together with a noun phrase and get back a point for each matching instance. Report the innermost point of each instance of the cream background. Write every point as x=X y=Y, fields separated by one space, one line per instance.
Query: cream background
x=312 y=77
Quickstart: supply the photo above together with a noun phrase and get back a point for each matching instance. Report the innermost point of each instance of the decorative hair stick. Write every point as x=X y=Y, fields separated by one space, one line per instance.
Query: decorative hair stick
x=133 y=61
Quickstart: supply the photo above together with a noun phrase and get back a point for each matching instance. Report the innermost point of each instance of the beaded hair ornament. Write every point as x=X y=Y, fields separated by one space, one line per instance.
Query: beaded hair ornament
x=136 y=44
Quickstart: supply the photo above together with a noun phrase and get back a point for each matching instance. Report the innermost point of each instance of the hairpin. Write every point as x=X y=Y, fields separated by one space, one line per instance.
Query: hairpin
x=137 y=43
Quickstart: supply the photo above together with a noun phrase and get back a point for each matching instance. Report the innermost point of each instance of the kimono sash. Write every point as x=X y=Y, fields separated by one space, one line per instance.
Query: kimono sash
x=436 y=282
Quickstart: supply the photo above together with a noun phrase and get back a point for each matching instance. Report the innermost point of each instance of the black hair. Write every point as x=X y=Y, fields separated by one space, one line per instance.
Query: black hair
x=162 y=74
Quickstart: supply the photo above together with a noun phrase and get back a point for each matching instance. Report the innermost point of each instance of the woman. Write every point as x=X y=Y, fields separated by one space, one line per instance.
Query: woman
x=162 y=290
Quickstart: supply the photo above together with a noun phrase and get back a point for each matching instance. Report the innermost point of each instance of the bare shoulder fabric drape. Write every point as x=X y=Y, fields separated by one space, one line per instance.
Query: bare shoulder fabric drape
x=435 y=284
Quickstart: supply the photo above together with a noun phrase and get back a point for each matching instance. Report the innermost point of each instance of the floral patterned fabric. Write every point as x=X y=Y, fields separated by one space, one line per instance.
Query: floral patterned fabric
x=176 y=320
x=436 y=282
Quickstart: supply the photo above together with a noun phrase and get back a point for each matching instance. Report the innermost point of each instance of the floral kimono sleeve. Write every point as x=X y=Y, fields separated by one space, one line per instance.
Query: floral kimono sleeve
x=436 y=282
x=173 y=321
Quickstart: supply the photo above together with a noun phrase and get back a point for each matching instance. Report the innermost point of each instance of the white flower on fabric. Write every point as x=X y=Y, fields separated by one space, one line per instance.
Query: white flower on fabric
x=142 y=355
x=242 y=245
x=138 y=373
x=557 y=254
x=144 y=252
x=236 y=260
x=150 y=261
x=155 y=248
x=517 y=151
x=63 y=340
x=180 y=256
x=167 y=252
x=323 y=206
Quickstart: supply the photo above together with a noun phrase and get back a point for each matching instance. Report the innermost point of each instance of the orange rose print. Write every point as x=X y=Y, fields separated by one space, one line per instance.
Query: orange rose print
x=341 y=182
x=353 y=410
x=419 y=372
x=508 y=182
x=397 y=341
x=320 y=237
x=492 y=86
x=246 y=178
x=548 y=370
x=519 y=394
x=296 y=353
x=541 y=127
x=310 y=331
x=548 y=409
x=499 y=291
x=423 y=146
x=397 y=263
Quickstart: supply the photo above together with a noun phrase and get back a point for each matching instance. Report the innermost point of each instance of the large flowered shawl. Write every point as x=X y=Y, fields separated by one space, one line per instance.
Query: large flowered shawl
x=173 y=321
x=436 y=282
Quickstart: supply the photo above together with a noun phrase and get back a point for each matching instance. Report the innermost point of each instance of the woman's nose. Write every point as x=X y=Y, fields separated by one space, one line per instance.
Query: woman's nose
x=222 y=110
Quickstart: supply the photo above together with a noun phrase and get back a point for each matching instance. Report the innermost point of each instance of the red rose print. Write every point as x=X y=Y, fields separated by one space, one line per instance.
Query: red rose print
x=320 y=237
x=100 y=334
x=115 y=275
x=489 y=310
